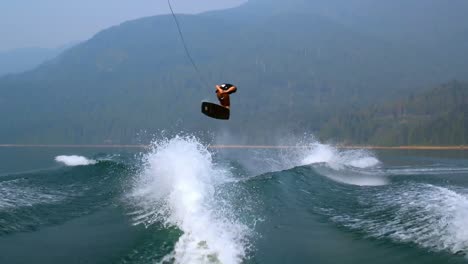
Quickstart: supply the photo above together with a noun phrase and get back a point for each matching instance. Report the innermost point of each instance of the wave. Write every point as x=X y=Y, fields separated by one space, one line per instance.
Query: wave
x=355 y=167
x=427 y=210
x=181 y=186
x=40 y=198
x=430 y=216
x=15 y=195
x=320 y=153
x=75 y=160
x=426 y=170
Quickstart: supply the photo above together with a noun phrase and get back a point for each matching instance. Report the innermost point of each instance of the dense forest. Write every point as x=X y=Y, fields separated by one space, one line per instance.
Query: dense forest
x=436 y=117
x=300 y=66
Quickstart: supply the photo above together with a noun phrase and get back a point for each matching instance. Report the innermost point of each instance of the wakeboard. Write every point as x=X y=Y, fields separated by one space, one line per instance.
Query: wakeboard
x=215 y=111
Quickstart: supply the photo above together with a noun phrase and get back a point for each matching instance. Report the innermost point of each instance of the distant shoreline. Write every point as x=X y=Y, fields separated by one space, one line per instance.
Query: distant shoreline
x=239 y=147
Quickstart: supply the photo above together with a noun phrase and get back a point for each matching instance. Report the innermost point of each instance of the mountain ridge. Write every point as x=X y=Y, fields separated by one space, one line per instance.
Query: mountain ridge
x=293 y=68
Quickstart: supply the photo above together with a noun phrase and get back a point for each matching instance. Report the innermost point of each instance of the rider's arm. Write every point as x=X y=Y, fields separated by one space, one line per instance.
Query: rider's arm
x=231 y=90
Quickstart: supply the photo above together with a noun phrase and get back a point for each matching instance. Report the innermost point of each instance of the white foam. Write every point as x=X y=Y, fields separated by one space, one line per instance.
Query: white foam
x=358 y=179
x=320 y=153
x=75 y=160
x=364 y=162
x=426 y=170
x=354 y=167
x=14 y=195
x=431 y=216
x=178 y=187
x=445 y=225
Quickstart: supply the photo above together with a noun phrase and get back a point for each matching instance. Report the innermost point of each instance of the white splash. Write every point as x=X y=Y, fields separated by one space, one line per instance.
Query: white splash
x=320 y=153
x=178 y=187
x=75 y=160
x=356 y=167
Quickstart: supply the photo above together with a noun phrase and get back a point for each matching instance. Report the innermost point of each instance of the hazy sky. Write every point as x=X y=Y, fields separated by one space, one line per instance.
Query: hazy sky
x=51 y=23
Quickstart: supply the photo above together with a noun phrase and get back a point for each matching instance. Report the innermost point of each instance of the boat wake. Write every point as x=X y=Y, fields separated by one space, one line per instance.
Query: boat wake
x=181 y=186
x=430 y=216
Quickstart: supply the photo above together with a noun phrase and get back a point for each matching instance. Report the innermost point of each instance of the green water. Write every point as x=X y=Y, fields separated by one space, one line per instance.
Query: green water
x=185 y=204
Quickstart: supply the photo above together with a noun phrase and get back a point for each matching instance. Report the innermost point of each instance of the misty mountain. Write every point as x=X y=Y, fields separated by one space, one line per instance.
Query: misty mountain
x=21 y=60
x=438 y=27
x=297 y=65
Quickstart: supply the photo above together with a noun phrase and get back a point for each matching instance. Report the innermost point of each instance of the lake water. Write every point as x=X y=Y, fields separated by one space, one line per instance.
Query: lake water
x=181 y=202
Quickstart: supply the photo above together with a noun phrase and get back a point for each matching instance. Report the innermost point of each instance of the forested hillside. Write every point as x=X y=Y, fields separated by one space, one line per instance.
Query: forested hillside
x=436 y=117
x=297 y=67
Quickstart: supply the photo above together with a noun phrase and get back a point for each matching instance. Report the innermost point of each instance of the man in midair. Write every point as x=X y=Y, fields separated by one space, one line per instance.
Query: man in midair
x=223 y=91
